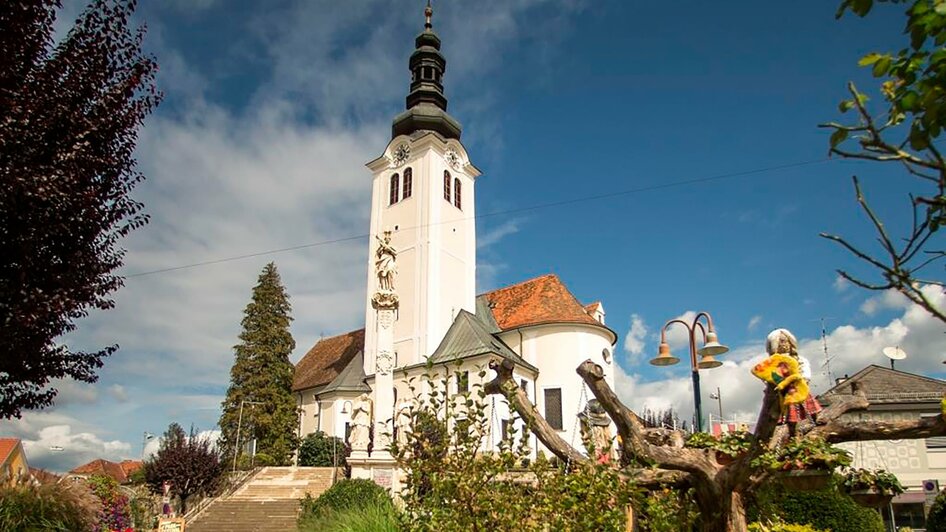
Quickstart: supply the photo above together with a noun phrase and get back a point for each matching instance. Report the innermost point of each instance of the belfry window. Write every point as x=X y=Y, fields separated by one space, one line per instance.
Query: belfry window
x=408 y=183
x=395 y=184
x=446 y=186
x=456 y=193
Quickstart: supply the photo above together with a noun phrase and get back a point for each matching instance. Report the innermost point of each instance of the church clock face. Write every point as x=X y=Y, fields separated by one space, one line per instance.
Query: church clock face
x=453 y=159
x=401 y=153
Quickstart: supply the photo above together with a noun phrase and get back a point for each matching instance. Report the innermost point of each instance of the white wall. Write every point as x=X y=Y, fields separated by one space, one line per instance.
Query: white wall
x=436 y=244
x=558 y=350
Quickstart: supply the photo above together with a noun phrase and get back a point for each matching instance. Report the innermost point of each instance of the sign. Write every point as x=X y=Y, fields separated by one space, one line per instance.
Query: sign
x=171 y=524
x=931 y=490
x=382 y=477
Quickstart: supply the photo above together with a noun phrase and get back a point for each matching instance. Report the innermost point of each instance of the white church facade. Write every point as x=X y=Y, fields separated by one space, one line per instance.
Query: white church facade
x=423 y=194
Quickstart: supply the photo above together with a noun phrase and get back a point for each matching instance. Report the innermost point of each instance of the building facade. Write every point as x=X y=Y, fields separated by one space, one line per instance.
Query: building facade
x=898 y=396
x=423 y=191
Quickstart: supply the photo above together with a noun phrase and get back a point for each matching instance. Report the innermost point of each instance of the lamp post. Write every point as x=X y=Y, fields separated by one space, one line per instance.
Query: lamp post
x=144 y=442
x=711 y=347
x=236 y=450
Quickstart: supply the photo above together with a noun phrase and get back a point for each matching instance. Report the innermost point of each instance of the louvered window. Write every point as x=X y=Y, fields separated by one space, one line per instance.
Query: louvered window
x=408 y=183
x=507 y=430
x=395 y=184
x=456 y=193
x=936 y=442
x=463 y=382
x=553 y=407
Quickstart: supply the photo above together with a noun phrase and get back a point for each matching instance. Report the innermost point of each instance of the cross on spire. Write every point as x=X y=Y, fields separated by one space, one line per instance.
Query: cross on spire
x=428 y=14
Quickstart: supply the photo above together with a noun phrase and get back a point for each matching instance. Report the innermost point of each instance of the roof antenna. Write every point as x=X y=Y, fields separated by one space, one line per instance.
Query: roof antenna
x=826 y=366
x=894 y=353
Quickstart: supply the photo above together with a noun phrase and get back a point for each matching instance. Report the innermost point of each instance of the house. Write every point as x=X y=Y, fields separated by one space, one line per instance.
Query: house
x=423 y=205
x=121 y=472
x=898 y=396
x=13 y=464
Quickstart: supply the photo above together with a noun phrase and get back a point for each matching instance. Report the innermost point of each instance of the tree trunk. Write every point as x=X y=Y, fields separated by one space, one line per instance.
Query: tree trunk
x=723 y=511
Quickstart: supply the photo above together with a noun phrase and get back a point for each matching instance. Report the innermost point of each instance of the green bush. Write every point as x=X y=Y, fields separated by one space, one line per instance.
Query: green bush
x=322 y=450
x=370 y=518
x=348 y=495
x=936 y=520
x=779 y=526
x=828 y=509
x=52 y=507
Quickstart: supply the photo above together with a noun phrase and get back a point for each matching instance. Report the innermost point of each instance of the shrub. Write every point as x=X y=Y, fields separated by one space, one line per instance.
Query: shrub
x=114 y=513
x=322 y=450
x=666 y=510
x=63 y=507
x=779 y=526
x=936 y=520
x=828 y=509
x=346 y=495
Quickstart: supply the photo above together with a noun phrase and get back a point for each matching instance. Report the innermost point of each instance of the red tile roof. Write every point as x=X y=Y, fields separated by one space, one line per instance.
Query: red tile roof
x=591 y=308
x=118 y=471
x=44 y=477
x=538 y=301
x=327 y=358
x=7 y=445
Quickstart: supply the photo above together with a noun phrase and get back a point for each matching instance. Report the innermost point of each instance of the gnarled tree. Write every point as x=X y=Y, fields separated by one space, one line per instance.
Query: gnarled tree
x=719 y=489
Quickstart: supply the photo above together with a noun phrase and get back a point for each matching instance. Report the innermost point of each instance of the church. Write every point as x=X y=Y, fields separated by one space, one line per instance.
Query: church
x=421 y=301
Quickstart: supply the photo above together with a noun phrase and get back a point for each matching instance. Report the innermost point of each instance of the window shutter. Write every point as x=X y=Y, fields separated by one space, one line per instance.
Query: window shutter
x=553 y=407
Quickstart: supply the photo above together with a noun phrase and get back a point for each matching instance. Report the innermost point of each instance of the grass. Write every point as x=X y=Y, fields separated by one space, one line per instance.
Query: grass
x=369 y=518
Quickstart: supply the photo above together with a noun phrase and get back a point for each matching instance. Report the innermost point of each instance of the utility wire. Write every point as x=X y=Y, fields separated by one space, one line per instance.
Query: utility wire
x=538 y=206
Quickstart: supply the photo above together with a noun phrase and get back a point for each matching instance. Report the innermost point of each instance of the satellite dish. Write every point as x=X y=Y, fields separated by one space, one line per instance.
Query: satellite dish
x=895 y=353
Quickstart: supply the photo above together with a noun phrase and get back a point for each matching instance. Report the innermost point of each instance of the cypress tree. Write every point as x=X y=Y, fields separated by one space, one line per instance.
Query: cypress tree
x=261 y=377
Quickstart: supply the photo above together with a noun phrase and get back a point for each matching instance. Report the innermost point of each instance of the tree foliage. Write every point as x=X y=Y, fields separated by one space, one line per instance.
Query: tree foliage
x=115 y=510
x=69 y=117
x=188 y=462
x=261 y=376
x=903 y=129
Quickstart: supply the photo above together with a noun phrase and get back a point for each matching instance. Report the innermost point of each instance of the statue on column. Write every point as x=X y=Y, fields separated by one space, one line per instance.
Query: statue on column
x=361 y=423
x=385 y=265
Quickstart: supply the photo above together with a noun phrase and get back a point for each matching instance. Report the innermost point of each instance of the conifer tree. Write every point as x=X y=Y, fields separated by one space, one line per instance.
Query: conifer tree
x=261 y=378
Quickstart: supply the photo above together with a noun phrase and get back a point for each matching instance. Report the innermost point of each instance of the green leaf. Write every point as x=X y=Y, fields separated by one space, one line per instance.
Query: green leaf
x=838 y=137
x=909 y=100
x=940 y=8
x=846 y=106
x=861 y=7
x=869 y=59
x=881 y=66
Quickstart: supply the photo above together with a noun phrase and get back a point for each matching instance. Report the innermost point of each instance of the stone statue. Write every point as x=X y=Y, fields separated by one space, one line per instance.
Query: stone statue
x=596 y=431
x=385 y=263
x=361 y=423
x=403 y=422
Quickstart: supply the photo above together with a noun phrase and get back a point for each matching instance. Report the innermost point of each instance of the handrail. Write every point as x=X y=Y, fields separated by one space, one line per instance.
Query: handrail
x=233 y=483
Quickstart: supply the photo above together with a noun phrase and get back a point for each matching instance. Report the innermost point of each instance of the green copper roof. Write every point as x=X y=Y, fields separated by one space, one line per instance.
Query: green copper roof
x=469 y=337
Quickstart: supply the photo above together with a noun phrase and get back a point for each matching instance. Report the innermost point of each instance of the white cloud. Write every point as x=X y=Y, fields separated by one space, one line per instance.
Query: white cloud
x=754 y=322
x=841 y=284
x=636 y=338
x=43 y=448
x=888 y=299
x=117 y=391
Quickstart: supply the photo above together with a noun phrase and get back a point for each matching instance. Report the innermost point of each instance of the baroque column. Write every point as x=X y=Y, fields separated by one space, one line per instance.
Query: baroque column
x=385 y=303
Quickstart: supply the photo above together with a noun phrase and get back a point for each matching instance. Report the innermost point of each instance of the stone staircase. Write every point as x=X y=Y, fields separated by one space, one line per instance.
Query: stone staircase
x=267 y=502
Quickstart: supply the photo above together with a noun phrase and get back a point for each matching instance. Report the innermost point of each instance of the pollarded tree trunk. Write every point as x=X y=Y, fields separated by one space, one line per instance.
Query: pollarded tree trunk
x=720 y=489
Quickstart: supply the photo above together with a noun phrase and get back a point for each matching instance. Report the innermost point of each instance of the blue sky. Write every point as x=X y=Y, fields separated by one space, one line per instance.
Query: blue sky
x=272 y=108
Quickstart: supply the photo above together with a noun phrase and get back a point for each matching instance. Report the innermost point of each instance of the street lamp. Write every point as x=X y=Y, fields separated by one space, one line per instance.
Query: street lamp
x=144 y=442
x=711 y=347
x=236 y=450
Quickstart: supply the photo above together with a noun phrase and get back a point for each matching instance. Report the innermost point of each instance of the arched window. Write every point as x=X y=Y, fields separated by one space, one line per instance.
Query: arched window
x=408 y=183
x=394 y=186
x=456 y=193
x=446 y=186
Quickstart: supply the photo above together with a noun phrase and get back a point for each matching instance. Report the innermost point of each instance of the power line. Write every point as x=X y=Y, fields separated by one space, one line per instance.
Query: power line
x=538 y=206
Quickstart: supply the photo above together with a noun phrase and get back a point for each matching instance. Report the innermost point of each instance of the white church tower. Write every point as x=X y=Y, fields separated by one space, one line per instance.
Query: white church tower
x=423 y=192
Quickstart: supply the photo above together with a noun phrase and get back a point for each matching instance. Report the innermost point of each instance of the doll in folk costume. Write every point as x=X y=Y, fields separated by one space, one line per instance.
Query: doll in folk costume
x=789 y=373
